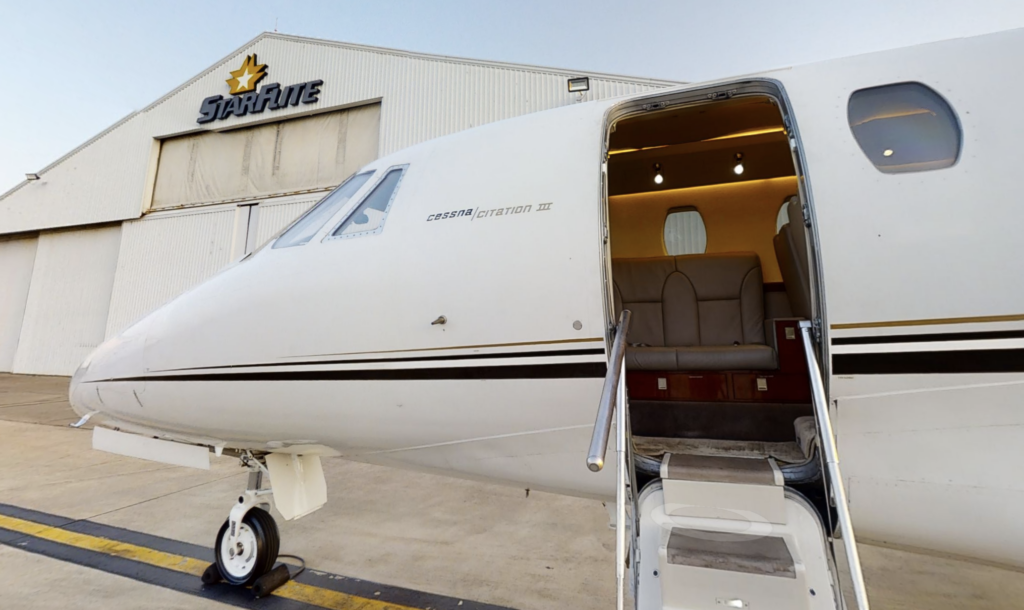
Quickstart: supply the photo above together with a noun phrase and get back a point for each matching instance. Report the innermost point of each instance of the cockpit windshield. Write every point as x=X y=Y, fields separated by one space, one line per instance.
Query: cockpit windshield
x=306 y=227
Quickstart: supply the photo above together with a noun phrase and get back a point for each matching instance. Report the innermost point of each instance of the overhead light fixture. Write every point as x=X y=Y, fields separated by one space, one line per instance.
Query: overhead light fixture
x=579 y=85
x=658 y=178
x=887 y=152
x=738 y=169
x=31 y=177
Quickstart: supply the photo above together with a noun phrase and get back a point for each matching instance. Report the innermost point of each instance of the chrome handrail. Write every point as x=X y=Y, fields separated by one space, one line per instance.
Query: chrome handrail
x=613 y=402
x=828 y=445
x=606 y=408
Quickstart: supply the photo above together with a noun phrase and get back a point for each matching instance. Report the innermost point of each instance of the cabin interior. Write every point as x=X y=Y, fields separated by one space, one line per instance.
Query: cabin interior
x=707 y=258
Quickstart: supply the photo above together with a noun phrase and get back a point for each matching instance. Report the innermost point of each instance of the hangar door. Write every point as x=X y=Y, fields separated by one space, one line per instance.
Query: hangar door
x=287 y=157
x=68 y=299
x=17 y=256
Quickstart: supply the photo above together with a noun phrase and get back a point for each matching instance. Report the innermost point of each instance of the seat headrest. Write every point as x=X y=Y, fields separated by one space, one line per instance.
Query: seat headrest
x=719 y=276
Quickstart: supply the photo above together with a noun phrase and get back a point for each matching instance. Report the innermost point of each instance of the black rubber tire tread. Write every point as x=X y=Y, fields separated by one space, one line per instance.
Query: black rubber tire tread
x=266 y=531
x=268 y=543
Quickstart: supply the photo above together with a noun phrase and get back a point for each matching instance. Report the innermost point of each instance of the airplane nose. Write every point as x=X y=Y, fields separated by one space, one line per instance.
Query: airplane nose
x=74 y=391
x=119 y=358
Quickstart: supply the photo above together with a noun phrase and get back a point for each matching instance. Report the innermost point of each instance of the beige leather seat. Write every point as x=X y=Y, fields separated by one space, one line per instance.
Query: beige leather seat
x=693 y=313
x=791 y=252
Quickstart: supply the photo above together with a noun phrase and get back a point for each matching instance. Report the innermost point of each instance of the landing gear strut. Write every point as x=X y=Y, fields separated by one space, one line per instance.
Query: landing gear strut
x=248 y=542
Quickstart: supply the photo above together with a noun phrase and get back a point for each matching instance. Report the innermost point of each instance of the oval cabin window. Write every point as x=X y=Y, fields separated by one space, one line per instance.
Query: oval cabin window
x=684 y=232
x=906 y=127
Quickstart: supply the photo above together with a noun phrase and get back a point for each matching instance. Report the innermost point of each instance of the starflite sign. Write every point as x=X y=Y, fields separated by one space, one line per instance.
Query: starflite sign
x=244 y=98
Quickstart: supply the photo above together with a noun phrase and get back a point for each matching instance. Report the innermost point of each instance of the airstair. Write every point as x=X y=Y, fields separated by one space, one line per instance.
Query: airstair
x=714 y=529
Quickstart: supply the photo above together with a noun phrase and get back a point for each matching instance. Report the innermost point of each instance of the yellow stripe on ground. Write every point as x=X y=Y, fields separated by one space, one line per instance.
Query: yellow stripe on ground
x=299 y=592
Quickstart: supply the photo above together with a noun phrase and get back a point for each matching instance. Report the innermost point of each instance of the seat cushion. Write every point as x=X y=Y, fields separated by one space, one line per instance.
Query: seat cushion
x=711 y=358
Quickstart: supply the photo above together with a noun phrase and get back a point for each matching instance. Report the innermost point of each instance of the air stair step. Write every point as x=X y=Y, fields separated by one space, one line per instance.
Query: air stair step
x=720 y=469
x=717 y=487
x=767 y=555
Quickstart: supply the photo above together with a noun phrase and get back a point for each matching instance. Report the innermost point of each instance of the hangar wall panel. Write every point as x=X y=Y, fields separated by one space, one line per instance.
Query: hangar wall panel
x=68 y=301
x=162 y=256
x=423 y=96
x=314 y=152
x=17 y=257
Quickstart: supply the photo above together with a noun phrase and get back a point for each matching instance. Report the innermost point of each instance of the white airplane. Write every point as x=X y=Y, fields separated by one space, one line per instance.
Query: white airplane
x=458 y=308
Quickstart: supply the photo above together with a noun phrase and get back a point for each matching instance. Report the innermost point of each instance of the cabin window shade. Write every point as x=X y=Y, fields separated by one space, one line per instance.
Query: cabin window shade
x=905 y=127
x=306 y=227
x=369 y=216
x=684 y=232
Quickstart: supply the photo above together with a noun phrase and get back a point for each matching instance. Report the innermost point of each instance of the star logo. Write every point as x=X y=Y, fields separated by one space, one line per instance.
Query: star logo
x=247 y=77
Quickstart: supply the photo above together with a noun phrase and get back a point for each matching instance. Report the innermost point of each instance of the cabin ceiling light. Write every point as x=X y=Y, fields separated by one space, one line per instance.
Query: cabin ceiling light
x=579 y=85
x=738 y=169
x=887 y=152
x=658 y=179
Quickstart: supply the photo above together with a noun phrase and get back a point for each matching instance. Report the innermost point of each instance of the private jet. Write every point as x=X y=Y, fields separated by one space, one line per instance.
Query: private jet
x=729 y=282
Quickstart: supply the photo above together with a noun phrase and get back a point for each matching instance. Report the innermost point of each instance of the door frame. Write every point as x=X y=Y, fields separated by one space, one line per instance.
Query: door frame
x=703 y=94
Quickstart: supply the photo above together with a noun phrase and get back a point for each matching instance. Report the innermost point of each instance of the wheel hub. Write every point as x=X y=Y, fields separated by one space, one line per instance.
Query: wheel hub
x=239 y=559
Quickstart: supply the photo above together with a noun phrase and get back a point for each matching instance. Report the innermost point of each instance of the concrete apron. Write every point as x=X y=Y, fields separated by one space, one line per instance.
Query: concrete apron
x=435 y=541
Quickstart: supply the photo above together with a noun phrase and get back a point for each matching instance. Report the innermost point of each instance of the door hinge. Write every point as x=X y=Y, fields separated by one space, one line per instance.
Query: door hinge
x=655 y=105
x=722 y=95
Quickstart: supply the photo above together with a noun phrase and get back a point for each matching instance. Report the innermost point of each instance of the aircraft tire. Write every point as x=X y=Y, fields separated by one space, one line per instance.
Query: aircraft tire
x=260 y=542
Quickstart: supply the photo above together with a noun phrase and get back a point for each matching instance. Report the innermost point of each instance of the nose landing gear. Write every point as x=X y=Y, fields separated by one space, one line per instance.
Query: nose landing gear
x=253 y=552
x=248 y=542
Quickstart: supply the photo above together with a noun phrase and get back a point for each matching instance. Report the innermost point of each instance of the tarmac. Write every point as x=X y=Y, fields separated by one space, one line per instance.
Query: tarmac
x=85 y=529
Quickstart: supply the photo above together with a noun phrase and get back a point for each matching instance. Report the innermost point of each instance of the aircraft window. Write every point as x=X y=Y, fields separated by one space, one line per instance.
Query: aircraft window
x=906 y=127
x=684 y=232
x=306 y=227
x=369 y=216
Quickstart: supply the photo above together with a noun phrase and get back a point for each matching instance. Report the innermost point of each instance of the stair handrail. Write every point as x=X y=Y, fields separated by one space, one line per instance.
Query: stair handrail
x=827 y=440
x=613 y=402
x=609 y=395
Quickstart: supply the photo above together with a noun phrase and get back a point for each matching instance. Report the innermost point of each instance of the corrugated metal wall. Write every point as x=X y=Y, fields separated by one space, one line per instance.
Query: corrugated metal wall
x=162 y=256
x=423 y=97
x=17 y=257
x=66 y=310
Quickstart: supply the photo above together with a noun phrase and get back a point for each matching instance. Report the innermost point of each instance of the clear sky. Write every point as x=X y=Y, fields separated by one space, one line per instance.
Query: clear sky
x=70 y=69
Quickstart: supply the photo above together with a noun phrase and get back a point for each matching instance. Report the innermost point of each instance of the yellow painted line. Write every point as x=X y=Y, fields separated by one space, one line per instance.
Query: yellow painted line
x=929 y=322
x=141 y=554
x=299 y=592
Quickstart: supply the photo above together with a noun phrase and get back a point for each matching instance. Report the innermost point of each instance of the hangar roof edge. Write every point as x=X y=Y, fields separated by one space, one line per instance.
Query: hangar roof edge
x=321 y=41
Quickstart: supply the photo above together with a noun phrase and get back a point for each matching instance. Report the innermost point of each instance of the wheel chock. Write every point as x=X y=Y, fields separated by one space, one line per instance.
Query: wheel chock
x=269 y=582
x=212 y=575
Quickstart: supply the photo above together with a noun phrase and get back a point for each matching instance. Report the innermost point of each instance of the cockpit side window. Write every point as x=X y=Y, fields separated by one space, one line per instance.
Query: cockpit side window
x=369 y=215
x=307 y=226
